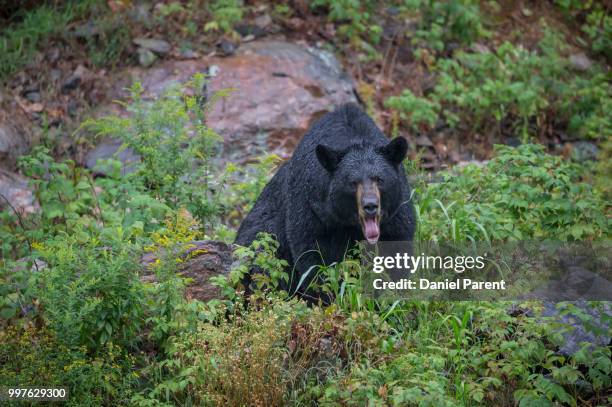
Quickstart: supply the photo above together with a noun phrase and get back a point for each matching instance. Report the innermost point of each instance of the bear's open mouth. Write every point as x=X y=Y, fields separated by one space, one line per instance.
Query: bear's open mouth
x=371 y=229
x=368 y=206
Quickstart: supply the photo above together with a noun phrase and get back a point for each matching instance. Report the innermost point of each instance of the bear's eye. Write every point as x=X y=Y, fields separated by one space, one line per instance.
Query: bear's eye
x=378 y=180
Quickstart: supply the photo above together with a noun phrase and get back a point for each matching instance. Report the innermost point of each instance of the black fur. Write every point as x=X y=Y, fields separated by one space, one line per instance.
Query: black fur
x=310 y=203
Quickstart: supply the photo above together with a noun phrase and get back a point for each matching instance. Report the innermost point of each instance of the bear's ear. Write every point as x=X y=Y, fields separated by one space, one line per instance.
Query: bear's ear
x=328 y=157
x=395 y=151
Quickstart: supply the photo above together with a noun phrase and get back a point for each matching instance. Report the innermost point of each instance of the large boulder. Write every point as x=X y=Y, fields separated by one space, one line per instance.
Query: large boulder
x=202 y=260
x=281 y=88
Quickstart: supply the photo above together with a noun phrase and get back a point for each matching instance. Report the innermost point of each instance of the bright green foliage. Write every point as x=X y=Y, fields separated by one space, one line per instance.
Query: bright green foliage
x=64 y=191
x=174 y=144
x=70 y=204
x=497 y=358
x=17 y=45
x=599 y=30
x=597 y=23
x=420 y=113
x=92 y=296
x=512 y=89
x=521 y=194
x=356 y=17
x=225 y=14
x=118 y=340
x=442 y=23
x=31 y=356
x=260 y=255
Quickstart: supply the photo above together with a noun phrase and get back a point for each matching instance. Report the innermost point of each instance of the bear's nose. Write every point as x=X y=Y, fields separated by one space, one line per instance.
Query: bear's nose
x=370 y=206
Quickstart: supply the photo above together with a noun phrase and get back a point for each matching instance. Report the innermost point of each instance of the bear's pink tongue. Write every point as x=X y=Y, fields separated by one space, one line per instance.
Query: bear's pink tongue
x=371 y=230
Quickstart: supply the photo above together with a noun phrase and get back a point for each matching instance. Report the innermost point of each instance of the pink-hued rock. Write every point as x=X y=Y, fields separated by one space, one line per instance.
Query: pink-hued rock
x=15 y=189
x=16 y=135
x=281 y=88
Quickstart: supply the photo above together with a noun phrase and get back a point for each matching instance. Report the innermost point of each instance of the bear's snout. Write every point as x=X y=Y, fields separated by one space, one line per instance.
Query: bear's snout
x=368 y=204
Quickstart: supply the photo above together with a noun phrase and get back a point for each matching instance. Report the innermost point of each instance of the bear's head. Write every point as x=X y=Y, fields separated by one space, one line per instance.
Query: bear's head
x=365 y=183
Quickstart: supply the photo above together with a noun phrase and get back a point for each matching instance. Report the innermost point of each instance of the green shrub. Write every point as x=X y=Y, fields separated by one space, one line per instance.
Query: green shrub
x=495 y=359
x=18 y=295
x=356 y=21
x=261 y=255
x=90 y=291
x=69 y=204
x=175 y=147
x=20 y=41
x=225 y=14
x=521 y=194
x=512 y=90
x=599 y=30
x=32 y=357
x=597 y=23
x=441 y=23
x=278 y=353
x=420 y=113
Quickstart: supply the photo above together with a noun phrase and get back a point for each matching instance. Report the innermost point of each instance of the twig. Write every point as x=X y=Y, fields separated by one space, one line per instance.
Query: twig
x=25 y=235
x=93 y=191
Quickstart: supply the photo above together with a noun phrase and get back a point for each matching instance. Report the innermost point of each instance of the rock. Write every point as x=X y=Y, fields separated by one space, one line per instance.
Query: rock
x=109 y=148
x=423 y=141
x=53 y=55
x=14 y=189
x=246 y=30
x=226 y=47
x=55 y=74
x=36 y=107
x=35 y=265
x=578 y=327
x=584 y=151
x=296 y=23
x=512 y=141
x=74 y=80
x=16 y=135
x=33 y=96
x=580 y=62
x=70 y=84
x=187 y=53
x=263 y=20
x=160 y=47
x=281 y=89
x=146 y=57
x=211 y=258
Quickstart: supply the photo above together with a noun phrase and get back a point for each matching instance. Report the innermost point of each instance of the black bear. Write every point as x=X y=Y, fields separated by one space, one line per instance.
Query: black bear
x=344 y=183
